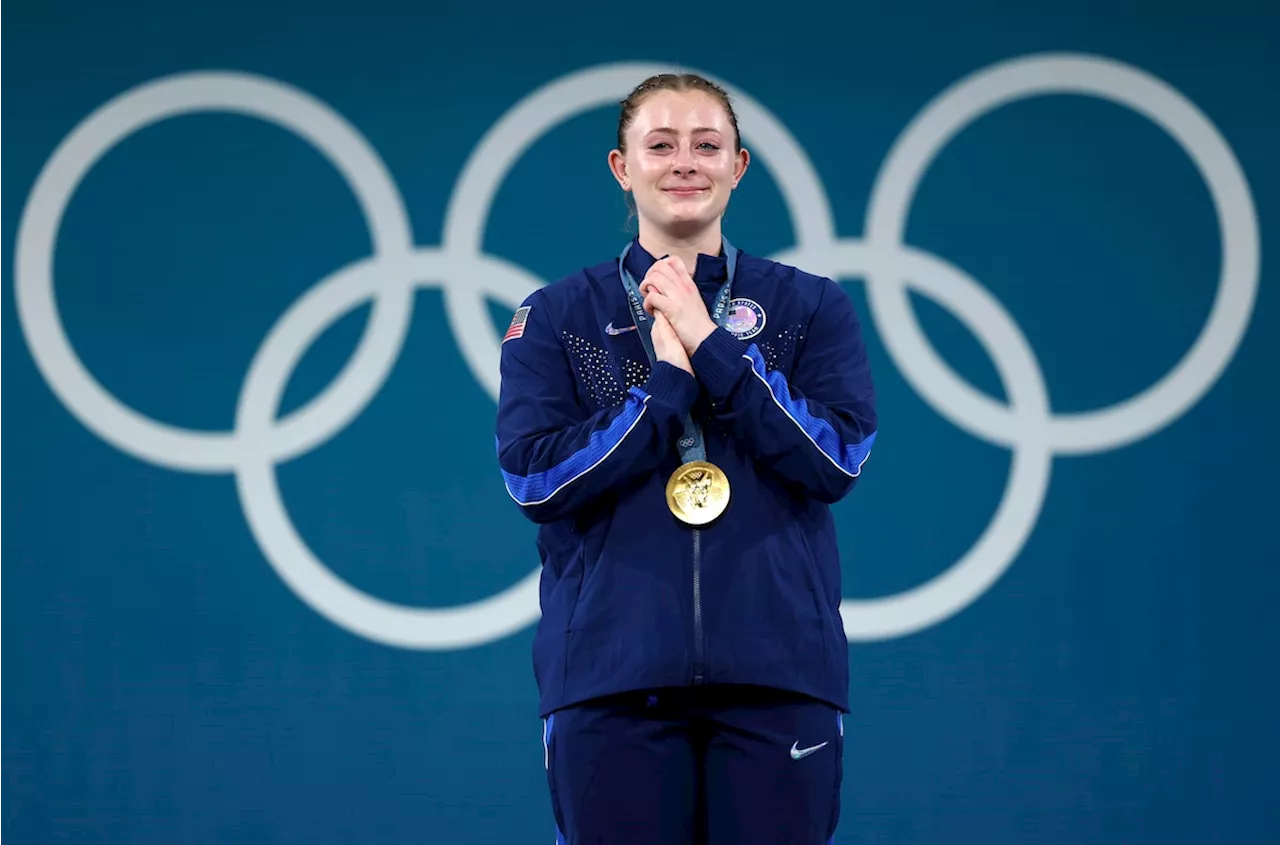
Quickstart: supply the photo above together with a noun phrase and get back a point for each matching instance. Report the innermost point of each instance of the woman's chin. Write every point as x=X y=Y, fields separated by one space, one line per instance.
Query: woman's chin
x=686 y=220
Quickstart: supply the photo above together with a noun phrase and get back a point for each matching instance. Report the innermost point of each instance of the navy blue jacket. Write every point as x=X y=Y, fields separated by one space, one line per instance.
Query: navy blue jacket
x=586 y=436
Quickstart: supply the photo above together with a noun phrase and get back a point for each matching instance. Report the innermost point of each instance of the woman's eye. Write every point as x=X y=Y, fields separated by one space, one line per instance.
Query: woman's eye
x=709 y=146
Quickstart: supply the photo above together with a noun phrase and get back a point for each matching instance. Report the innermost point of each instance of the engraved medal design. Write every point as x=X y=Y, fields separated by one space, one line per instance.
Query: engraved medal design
x=698 y=492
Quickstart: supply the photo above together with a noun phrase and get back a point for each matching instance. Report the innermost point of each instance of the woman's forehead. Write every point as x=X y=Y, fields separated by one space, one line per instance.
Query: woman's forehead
x=683 y=111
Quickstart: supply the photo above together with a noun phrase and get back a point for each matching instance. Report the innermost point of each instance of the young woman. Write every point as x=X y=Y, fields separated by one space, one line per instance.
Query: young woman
x=678 y=421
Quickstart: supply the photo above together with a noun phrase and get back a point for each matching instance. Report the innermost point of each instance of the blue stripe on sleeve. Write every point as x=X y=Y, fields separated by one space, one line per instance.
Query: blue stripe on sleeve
x=540 y=487
x=848 y=458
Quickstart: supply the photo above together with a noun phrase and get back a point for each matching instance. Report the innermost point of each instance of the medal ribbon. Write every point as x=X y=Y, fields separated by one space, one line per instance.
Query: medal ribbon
x=690 y=444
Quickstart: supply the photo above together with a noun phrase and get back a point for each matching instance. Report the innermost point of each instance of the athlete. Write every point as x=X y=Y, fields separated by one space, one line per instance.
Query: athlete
x=678 y=421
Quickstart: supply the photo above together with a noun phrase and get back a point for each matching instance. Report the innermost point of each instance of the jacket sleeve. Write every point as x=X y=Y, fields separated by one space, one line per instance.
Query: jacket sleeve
x=554 y=456
x=816 y=429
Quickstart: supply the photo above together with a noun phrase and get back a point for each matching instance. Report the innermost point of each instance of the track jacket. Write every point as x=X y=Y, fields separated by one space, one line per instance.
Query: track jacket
x=587 y=433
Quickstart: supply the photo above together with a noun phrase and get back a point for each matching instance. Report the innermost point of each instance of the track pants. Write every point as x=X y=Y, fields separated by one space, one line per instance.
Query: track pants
x=713 y=765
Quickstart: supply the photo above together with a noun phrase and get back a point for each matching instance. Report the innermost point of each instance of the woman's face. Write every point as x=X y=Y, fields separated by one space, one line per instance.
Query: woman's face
x=680 y=163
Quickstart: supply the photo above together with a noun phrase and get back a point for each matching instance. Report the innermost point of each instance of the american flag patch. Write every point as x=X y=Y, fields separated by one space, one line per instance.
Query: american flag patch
x=516 y=329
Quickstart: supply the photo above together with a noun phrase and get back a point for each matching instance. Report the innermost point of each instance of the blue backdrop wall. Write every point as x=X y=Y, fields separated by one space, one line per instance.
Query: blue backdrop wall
x=262 y=583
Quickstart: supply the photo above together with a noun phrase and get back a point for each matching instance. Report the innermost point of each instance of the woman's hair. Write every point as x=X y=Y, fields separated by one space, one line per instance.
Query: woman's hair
x=670 y=82
x=673 y=82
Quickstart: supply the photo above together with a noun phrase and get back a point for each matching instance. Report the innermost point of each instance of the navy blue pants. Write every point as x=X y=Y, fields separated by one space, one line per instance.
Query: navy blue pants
x=713 y=765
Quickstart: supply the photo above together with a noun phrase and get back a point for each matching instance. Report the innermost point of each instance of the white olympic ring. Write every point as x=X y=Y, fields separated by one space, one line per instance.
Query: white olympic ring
x=259 y=441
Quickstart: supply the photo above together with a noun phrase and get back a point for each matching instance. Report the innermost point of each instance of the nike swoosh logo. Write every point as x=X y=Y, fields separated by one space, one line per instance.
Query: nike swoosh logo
x=801 y=753
x=609 y=329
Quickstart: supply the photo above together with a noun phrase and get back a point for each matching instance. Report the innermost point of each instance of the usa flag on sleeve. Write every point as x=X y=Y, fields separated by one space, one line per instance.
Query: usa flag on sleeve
x=516 y=329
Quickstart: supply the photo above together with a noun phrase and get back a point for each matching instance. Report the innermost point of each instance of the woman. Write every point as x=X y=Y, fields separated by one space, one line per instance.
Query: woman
x=678 y=421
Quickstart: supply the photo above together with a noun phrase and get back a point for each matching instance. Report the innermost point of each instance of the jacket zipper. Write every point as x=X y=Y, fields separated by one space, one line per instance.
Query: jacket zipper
x=698 y=657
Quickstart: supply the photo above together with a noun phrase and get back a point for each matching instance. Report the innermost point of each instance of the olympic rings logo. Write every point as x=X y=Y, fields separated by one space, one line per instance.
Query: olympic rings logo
x=388 y=277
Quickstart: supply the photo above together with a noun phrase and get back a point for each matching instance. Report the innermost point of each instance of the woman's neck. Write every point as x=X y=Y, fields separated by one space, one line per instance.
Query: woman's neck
x=658 y=243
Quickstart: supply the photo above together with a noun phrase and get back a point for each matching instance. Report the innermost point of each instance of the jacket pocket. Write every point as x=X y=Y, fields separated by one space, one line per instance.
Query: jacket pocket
x=590 y=550
x=812 y=575
x=581 y=572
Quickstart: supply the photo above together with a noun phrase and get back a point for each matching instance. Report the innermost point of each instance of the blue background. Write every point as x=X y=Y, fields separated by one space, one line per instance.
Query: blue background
x=163 y=685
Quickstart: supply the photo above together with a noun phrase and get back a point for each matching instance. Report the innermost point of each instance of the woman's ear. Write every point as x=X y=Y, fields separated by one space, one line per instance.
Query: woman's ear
x=740 y=166
x=618 y=167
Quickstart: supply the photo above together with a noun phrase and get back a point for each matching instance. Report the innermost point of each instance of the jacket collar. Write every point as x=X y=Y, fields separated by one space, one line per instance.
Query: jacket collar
x=709 y=269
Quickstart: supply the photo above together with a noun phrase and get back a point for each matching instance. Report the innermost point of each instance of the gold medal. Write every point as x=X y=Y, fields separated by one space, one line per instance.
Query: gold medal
x=698 y=492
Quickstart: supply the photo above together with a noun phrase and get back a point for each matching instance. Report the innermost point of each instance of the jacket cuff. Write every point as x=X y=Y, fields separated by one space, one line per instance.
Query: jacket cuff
x=672 y=386
x=717 y=362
